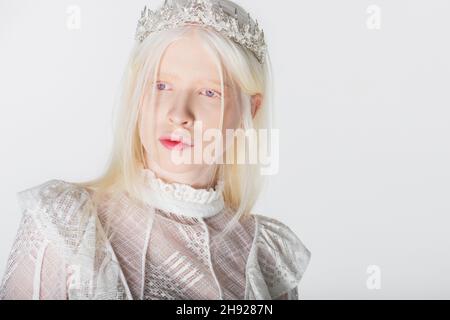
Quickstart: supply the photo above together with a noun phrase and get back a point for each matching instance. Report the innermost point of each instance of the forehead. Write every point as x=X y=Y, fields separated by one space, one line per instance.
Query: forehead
x=189 y=59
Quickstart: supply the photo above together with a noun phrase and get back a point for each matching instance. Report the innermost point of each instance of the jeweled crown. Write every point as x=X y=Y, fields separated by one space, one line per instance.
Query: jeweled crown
x=248 y=34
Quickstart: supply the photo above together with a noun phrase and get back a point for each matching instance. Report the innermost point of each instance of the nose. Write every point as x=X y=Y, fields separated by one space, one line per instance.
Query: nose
x=180 y=115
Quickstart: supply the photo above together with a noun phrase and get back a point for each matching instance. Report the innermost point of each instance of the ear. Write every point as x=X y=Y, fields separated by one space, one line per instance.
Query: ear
x=256 y=102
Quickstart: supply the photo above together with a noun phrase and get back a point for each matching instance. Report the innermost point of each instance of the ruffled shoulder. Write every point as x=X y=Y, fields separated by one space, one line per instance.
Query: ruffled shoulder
x=64 y=215
x=61 y=210
x=277 y=261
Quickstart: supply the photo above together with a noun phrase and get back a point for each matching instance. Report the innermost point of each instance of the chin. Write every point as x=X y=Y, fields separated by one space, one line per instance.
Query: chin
x=165 y=166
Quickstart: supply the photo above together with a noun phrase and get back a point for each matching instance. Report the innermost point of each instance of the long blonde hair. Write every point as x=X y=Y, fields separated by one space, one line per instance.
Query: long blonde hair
x=242 y=182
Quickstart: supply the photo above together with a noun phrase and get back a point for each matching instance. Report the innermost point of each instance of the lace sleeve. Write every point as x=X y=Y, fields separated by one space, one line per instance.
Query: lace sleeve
x=289 y=295
x=282 y=256
x=35 y=269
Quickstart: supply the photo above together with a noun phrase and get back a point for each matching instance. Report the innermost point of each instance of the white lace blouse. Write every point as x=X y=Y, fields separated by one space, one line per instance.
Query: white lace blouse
x=68 y=247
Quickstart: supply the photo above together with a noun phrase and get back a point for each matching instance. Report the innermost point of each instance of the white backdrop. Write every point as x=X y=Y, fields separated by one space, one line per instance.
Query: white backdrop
x=362 y=102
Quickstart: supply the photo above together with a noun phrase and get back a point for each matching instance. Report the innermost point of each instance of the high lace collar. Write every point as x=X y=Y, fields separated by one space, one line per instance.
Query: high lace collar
x=183 y=199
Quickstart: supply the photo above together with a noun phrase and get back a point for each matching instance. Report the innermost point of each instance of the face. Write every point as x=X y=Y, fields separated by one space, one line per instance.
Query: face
x=187 y=103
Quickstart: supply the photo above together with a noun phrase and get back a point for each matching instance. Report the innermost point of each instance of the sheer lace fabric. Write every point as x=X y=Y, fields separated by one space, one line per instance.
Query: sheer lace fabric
x=68 y=247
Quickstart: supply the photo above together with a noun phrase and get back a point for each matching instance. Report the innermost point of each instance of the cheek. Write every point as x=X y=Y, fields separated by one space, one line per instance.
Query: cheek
x=211 y=119
x=232 y=112
x=232 y=117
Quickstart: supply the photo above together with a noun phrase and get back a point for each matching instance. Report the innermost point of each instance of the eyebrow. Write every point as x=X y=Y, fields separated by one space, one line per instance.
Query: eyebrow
x=175 y=76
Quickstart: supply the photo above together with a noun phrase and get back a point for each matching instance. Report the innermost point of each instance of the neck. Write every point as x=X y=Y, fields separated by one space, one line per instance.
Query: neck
x=199 y=178
x=183 y=199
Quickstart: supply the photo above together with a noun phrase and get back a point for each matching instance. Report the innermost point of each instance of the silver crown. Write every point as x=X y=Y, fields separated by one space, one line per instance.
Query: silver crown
x=248 y=35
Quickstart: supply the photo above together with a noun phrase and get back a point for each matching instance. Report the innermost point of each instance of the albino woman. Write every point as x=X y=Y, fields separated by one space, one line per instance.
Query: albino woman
x=153 y=226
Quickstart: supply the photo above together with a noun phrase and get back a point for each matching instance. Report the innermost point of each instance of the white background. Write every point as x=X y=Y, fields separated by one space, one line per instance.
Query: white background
x=364 y=116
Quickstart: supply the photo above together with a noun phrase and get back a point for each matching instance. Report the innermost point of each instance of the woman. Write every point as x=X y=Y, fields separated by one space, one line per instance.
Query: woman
x=165 y=220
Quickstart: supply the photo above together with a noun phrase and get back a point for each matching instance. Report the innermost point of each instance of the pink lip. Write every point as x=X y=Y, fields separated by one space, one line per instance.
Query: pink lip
x=174 y=144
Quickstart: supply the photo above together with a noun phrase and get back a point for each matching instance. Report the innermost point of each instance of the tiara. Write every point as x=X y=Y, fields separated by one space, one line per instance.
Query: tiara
x=204 y=12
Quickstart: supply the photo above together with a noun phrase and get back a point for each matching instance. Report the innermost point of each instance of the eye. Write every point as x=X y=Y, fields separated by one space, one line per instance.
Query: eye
x=162 y=86
x=211 y=93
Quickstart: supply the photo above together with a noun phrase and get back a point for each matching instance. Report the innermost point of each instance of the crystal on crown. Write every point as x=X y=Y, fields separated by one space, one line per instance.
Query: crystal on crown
x=206 y=13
